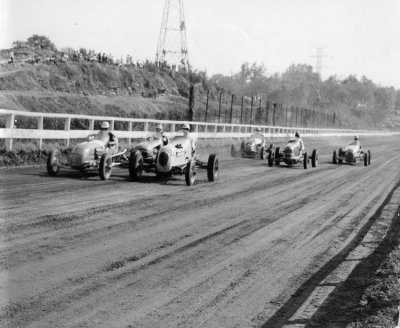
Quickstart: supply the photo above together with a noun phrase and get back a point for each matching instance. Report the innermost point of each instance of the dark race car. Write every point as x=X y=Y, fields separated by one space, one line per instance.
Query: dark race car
x=351 y=154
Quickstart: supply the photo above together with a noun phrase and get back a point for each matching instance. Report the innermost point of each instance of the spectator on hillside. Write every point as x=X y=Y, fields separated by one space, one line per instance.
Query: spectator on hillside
x=11 y=61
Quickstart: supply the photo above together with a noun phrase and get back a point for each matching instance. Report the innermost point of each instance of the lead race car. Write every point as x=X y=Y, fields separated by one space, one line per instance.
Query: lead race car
x=175 y=158
x=292 y=155
x=89 y=156
x=352 y=153
x=253 y=147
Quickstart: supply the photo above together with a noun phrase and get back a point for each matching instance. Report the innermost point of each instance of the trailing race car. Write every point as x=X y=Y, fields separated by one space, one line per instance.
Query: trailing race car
x=89 y=156
x=291 y=155
x=351 y=154
x=174 y=158
x=253 y=147
x=144 y=154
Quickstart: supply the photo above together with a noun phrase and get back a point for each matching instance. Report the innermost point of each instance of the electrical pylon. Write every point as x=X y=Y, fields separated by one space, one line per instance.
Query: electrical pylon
x=172 y=46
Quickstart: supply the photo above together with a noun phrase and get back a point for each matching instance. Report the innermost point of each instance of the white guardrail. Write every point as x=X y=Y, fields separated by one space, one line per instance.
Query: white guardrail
x=140 y=128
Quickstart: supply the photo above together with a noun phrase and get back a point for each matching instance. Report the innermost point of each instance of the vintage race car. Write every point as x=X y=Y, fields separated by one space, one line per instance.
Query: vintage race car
x=174 y=158
x=292 y=156
x=89 y=156
x=252 y=147
x=148 y=150
x=351 y=154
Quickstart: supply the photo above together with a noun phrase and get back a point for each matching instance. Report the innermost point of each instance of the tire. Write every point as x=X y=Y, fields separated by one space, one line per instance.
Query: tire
x=314 y=158
x=334 y=157
x=53 y=162
x=262 y=153
x=305 y=161
x=271 y=158
x=365 y=159
x=190 y=174
x=340 y=161
x=135 y=165
x=369 y=157
x=233 y=151
x=105 y=167
x=277 y=156
x=212 y=168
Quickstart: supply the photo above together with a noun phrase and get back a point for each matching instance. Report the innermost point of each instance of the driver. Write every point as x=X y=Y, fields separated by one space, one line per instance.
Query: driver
x=160 y=132
x=258 y=136
x=300 y=141
x=186 y=129
x=112 y=143
x=356 y=141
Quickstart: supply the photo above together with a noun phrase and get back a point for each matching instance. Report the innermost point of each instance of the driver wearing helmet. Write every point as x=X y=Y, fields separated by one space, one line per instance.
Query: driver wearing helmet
x=112 y=143
x=356 y=141
x=186 y=130
x=160 y=134
x=258 y=136
x=300 y=141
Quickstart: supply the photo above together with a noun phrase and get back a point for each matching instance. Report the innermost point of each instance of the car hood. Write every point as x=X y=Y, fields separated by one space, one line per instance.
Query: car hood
x=87 y=146
x=148 y=145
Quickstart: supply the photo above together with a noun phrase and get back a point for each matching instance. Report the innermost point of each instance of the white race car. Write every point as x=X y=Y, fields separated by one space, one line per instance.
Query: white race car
x=176 y=158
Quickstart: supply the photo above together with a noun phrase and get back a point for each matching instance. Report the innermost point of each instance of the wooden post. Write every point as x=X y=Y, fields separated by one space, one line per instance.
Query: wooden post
x=130 y=129
x=230 y=119
x=208 y=93
x=67 y=127
x=10 y=125
x=40 y=127
x=267 y=110
x=91 y=125
x=274 y=113
x=251 y=109
x=241 y=112
x=219 y=107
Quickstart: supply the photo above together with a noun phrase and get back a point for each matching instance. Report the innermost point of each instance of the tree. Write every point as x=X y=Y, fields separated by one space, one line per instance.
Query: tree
x=40 y=42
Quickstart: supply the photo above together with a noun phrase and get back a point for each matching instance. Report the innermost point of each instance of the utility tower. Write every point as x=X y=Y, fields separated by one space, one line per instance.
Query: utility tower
x=318 y=58
x=172 y=47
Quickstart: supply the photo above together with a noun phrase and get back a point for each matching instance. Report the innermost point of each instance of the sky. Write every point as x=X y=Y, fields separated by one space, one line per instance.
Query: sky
x=358 y=37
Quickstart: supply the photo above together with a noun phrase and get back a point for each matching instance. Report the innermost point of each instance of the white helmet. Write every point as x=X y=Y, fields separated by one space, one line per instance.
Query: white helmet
x=186 y=126
x=159 y=127
x=258 y=129
x=356 y=138
x=105 y=125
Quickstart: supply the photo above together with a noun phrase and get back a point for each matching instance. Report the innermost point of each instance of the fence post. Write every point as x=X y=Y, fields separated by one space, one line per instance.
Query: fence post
x=259 y=111
x=219 y=107
x=10 y=125
x=67 y=127
x=146 y=127
x=267 y=110
x=130 y=129
x=40 y=127
x=91 y=125
x=112 y=125
x=191 y=103
x=208 y=93
x=273 y=114
x=241 y=112
x=230 y=121
x=251 y=110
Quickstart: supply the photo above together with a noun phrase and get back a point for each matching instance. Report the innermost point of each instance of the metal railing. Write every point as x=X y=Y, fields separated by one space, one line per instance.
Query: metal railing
x=140 y=128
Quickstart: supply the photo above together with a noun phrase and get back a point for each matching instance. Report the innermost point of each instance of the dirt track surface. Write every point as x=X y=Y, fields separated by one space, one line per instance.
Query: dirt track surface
x=245 y=251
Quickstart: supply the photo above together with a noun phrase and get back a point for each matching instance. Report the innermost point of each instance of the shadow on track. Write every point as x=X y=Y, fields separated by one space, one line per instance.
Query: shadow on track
x=355 y=283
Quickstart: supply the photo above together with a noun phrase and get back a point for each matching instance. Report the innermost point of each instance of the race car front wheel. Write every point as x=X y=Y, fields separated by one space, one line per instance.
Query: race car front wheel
x=212 y=167
x=105 y=166
x=53 y=162
x=135 y=164
x=190 y=174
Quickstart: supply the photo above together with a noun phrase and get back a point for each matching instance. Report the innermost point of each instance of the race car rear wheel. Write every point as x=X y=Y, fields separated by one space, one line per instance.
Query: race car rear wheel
x=271 y=158
x=212 y=167
x=369 y=157
x=105 y=167
x=314 y=158
x=277 y=156
x=262 y=153
x=233 y=151
x=135 y=164
x=53 y=162
x=334 y=160
x=365 y=159
x=190 y=174
x=305 y=160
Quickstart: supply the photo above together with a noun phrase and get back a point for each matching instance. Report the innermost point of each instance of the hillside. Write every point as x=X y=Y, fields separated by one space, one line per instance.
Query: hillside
x=42 y=80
